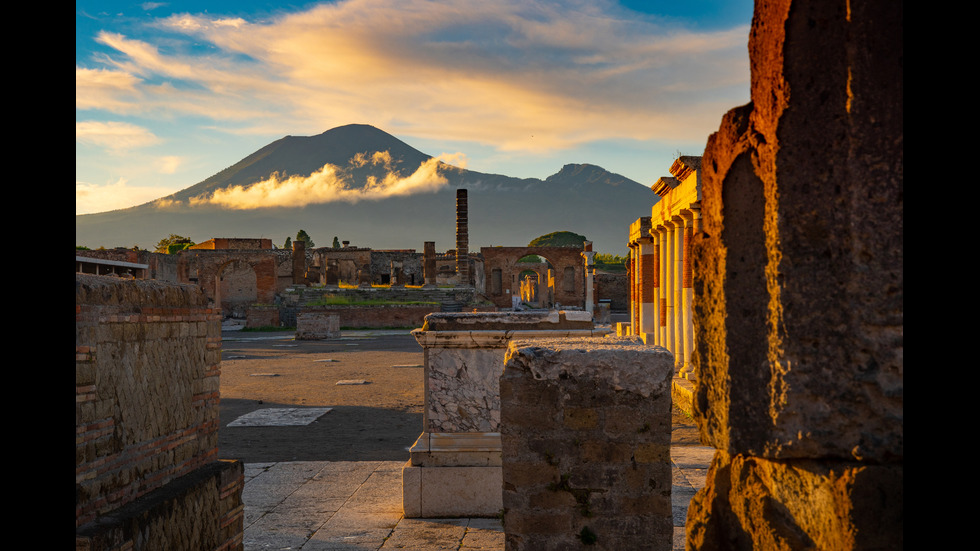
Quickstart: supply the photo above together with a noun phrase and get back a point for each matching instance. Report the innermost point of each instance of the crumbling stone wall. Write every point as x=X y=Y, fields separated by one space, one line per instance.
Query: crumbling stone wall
x=585 y=435
x=206 y=268
x=615 y=288
x=799 y=286
x=147 y=475
x=313 y=325
x=162 y=267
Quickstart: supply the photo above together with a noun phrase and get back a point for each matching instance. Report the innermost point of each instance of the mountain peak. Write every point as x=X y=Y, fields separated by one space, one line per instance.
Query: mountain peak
x=578 y=174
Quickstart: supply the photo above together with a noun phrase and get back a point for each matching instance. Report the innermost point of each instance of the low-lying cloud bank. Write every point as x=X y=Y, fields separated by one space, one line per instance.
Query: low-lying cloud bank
x=332 y=183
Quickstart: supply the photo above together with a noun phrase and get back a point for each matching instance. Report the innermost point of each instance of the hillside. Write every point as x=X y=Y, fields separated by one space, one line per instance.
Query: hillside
x=504 y=210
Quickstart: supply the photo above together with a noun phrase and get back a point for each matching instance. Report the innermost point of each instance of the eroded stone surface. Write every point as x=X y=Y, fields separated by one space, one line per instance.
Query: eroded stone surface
x=585 y=433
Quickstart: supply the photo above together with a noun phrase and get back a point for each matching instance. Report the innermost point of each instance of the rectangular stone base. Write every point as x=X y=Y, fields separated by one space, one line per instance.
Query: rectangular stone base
x=453 y=475
x=436 y=492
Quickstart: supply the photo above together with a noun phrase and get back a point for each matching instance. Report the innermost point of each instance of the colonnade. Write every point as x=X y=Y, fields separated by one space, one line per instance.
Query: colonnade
x=672 y=325
x=661 y=278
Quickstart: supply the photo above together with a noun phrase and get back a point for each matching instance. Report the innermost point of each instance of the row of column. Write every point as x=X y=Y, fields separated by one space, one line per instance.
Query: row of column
x=663 y=282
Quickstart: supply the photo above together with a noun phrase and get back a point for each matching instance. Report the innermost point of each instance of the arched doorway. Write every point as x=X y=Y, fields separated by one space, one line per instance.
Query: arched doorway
x=535 y=281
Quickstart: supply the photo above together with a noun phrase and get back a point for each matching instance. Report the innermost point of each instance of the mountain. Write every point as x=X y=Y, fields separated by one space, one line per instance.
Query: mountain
x=503 y=210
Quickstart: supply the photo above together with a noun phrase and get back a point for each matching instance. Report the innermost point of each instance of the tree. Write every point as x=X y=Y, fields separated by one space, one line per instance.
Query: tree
x=336 y=242
x=173 y=244
x=289 y=243
x=559 y=239
x=301 y=235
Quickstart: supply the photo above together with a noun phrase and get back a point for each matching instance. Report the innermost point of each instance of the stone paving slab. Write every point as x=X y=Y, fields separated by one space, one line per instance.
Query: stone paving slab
x=280 y=417
x=356 y=505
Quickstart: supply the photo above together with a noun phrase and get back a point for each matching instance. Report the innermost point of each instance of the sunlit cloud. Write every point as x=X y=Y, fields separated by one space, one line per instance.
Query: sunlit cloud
x=90 y=198
x=332 y=183
x=114 y=136
x=168 y=164
x=489 y=72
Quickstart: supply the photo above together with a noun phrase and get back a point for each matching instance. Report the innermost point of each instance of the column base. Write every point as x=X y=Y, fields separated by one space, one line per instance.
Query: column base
x=453 y=475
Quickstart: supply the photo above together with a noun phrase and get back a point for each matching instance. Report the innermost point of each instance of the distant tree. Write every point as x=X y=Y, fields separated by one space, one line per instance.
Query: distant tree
x=301 y=235
x=173 y=243
x=559 y=239
x=611 y=262
x=336 y=242
x=288 y=245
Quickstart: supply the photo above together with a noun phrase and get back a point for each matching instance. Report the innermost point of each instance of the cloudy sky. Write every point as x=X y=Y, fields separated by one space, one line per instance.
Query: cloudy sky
x=169 y=93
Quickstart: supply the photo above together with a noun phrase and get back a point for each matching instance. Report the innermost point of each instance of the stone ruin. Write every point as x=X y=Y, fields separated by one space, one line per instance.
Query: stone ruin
x=798 y=316
x=454 y=467
x=797 y=323
x=147 y=473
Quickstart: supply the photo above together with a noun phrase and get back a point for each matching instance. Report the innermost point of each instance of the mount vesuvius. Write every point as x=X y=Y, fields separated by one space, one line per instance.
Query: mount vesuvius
x=367 y=187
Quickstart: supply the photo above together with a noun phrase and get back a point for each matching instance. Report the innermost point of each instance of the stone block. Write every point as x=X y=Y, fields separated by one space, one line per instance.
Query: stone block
x=435 y=492
x=797 y=504
x=571 y=479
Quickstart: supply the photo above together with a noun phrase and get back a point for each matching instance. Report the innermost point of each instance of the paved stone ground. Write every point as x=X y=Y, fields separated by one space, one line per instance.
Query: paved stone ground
x=334 y=483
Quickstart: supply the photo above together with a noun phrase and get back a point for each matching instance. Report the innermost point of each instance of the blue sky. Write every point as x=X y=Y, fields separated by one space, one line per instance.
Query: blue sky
x=170 y=93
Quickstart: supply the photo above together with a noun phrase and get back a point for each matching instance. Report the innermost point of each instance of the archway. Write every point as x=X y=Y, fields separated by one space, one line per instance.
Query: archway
x=535 y=281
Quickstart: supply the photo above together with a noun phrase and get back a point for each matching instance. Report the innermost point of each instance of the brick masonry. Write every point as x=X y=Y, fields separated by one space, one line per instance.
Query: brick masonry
x=147 y=365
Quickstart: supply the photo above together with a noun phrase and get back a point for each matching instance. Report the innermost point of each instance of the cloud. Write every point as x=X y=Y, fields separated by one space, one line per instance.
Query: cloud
x=332 y=183
x=488 y=72
x=114 y=136
x=168 y=164
x=90 y=198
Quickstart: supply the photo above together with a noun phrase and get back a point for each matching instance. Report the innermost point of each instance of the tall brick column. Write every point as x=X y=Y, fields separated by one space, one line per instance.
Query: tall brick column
x=299 y=261
x=799 y=288
x=462 y=238
x=429 y=262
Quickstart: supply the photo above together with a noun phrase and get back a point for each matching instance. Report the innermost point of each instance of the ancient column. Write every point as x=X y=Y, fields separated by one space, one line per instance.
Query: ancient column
x=634 y=297
x=670 y=283
x=462 y=238
x=429 y=263
x=664 y=288
x=657 y=286
x=589 y=255
x=299 y=261
x=680 y=312
x=648 y=323
x=687 y=370
x=799 y=288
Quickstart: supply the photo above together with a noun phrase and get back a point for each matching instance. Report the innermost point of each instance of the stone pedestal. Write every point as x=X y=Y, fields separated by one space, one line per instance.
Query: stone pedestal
x=585 y=427
x=454 y=466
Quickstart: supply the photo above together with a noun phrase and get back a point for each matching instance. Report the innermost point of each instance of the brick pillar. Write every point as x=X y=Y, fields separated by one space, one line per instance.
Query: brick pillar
x=462 y=238
x=299 y=261
x=429 y=262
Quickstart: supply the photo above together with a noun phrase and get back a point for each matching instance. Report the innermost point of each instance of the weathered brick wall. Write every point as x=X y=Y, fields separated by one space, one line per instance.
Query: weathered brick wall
x=147 y=359
x=312 y=325
x=614 y=287
x=377 y=317
x=162 y=267
x=585 y=435
x=262 y=316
